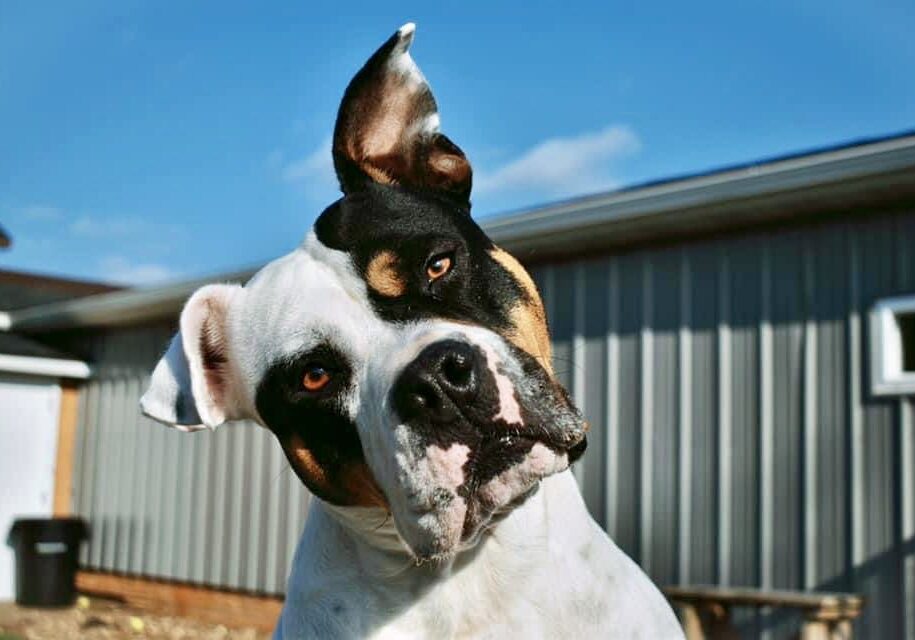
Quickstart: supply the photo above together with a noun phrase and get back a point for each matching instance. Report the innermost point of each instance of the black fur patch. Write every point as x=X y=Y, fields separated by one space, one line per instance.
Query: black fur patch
x=416 y=226
x=318 y=419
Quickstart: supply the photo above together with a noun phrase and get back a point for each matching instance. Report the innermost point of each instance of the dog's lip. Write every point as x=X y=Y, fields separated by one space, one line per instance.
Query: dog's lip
x=471 y=529
x=577 y=450
x=496 y=444
x=565 y=442
x=477 y=517
x=493 y=432
x=493 y=444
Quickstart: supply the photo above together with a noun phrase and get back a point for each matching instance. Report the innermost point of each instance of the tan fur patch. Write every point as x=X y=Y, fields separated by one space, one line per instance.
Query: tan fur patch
x=354 y=487
x=528 y=317
x=360 y=485
x=383 y=276
x=305 y=462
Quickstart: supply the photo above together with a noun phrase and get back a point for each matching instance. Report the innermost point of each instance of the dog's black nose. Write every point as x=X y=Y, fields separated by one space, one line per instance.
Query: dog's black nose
x=444 y=375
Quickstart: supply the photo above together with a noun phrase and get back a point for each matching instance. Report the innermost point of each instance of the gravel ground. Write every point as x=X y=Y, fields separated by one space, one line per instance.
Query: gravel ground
x=95 y=619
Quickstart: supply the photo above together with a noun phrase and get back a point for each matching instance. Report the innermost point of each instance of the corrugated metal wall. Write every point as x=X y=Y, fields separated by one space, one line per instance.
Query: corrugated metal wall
x=734 y=438
x=219 y=508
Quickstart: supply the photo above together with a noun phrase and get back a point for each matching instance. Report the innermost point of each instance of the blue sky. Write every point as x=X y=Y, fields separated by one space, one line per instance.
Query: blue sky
x=150 y=141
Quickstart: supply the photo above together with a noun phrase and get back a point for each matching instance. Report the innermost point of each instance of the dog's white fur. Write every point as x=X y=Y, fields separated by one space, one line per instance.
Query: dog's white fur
x=541 y=570
x=534 y=564
x=546 y=571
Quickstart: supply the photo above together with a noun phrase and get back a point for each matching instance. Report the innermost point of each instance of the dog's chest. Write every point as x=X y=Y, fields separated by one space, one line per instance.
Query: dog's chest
x=480 y=603
x=547 y=571
x=476 y=602
x=512 y=589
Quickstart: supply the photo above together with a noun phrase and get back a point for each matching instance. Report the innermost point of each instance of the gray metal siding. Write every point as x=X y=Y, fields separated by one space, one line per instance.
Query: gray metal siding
x=217 y=508
x=734 y=439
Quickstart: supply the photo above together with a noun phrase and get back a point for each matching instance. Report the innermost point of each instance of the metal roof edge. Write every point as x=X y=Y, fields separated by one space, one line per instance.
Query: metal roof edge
x=796 y=172
x=44 y=367
x=567 y=222
x=117 y=308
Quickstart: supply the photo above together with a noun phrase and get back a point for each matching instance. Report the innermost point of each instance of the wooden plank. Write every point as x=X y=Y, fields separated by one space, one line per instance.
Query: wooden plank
x=848 y=604
x=228 y=608
x=707 y=622
x=66 y=448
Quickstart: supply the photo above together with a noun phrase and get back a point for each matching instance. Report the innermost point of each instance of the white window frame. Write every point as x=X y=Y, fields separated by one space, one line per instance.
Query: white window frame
x=887 y=376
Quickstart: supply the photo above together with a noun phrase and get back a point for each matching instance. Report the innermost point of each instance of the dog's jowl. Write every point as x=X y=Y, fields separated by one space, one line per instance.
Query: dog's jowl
x=402 y=362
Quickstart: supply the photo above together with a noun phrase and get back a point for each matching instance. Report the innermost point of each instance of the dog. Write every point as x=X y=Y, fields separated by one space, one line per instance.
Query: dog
x=402 y=361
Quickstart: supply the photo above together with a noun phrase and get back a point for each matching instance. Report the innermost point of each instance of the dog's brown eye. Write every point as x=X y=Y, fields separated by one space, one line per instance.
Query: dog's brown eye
x=438 y=266
x=316 y=378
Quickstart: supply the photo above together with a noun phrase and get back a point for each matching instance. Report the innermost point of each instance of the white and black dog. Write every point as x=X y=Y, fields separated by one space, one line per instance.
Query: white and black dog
x=403 y=363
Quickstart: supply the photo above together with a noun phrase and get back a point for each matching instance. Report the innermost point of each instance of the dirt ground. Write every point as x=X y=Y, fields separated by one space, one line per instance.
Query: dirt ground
x=96 y=619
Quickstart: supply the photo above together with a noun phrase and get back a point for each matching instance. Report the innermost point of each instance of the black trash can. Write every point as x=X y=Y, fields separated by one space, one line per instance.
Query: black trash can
x=47 y=554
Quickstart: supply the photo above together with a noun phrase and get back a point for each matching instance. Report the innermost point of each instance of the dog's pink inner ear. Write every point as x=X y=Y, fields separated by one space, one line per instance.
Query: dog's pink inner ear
x=213 y=356
x=204 y=330
x=387 y=128
x=448 y=167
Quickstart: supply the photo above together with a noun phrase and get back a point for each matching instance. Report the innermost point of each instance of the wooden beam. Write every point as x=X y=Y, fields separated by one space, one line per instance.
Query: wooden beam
x=66 y=448
x=843 y=604
x=228 y=608
x=704 y=610
x=707 y=622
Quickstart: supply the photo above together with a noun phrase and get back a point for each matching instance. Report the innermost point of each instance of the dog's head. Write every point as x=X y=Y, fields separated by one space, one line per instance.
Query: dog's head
x=400 y=358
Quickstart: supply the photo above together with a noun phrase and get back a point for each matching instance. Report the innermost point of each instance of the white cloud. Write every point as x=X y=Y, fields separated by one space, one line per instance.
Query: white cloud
x=119 y=269
x=314 y=174
x=121 y=227
x=562 y=166
x=94 y=227
x=128 y=249
x=556 y=167
x=40 y=213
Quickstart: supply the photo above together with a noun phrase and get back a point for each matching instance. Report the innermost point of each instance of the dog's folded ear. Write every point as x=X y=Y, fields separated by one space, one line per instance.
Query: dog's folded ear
x=193 y=385
x=387 y=129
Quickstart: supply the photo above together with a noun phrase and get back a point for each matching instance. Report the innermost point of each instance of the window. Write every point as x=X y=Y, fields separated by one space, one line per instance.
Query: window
x=892 y=332
x=907 y=334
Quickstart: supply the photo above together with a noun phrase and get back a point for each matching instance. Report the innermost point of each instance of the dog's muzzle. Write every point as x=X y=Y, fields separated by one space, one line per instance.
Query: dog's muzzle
x=479 y=424
x=454 y=389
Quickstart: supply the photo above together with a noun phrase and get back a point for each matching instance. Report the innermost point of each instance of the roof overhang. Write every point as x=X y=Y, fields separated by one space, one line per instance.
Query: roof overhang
x=826 y=182
x=44 y=367
x=831 y=181
x=129 y=306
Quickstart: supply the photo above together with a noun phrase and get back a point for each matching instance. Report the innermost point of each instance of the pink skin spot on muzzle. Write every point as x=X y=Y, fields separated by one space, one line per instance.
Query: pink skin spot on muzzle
x=447 y=465
x=539 y=463
x=509 y=409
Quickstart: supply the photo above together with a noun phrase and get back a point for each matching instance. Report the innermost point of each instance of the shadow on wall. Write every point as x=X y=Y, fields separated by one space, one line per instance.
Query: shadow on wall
x=882 y=577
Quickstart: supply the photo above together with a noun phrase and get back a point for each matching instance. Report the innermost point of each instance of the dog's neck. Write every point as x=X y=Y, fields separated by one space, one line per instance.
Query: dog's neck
x=381 y=552
x=546 y=570
x=357 y=555
x=368 y=539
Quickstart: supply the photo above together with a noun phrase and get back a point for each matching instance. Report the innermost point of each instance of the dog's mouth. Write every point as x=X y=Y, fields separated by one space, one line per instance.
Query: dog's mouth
x=452 y=505
x=506 y=471
x=466 y=427
x=467 y=461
